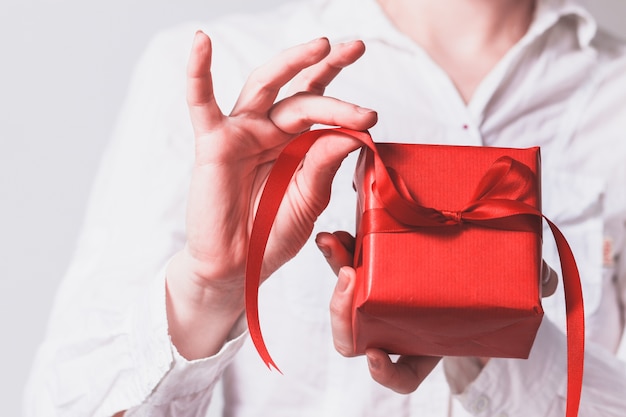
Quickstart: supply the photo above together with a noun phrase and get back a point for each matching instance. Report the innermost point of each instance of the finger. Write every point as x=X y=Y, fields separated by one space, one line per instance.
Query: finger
x=299 y=112
x=336 y=253
x=316 y=78
x=262 y=87
x=549 y=280
x=313 y=180
x=346 y=239
x=203 y=108
x=405 y=375
x=341 y=311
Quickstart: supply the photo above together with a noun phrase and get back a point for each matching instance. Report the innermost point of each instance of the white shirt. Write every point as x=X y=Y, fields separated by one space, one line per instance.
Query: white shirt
x=562 y=87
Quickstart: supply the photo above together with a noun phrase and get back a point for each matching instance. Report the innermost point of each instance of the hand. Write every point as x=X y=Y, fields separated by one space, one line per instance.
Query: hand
x=408 y=372
x=234 y=154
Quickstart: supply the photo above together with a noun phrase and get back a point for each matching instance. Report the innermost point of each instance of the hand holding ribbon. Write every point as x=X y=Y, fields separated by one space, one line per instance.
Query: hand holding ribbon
x=233 y=154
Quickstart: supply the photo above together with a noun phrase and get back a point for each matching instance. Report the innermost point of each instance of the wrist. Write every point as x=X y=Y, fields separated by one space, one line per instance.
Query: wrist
x=190 y=279
x=200 y=313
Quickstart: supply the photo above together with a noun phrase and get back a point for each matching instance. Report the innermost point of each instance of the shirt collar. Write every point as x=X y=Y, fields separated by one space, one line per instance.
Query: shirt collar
x=366 y=20
x=550 y=12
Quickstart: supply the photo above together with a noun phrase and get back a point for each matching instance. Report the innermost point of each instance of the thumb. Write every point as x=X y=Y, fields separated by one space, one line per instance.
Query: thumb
x=314 y=178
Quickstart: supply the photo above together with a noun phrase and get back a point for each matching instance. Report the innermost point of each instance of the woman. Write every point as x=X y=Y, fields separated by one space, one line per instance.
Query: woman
x=475 y=72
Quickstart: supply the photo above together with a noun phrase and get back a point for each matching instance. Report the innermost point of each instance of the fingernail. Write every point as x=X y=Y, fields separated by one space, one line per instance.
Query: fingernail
x=342 y=280
x=323 y=38
x=324 y=249
x=349 y=43
x=364 y=110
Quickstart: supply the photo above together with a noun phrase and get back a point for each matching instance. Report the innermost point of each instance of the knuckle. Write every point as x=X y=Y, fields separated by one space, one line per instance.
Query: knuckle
x=390 y=376
x=313 y=84
x=260 y=81
x=337 y=306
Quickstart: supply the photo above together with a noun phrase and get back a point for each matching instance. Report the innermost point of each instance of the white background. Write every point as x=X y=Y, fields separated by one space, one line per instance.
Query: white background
x=64 y=69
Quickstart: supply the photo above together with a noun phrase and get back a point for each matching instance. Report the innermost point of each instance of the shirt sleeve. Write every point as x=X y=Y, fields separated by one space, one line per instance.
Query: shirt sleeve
x=539 y=385
x=107 y=347
x=180 y=387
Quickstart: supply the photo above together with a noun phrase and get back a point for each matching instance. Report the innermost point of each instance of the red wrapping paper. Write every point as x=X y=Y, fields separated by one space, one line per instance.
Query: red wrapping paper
x=455 y=287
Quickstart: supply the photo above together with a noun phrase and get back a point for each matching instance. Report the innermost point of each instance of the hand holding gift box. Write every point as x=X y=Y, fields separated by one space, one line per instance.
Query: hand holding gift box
x=448 y=252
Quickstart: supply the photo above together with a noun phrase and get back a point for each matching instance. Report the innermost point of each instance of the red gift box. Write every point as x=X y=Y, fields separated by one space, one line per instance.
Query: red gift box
x=448 y=286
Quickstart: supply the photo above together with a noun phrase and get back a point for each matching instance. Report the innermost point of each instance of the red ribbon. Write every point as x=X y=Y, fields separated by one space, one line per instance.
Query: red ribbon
x=497 y=197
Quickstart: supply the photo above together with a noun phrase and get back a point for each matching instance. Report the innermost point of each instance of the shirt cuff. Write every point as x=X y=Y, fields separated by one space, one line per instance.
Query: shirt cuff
x=165 y=377
x=514 y=387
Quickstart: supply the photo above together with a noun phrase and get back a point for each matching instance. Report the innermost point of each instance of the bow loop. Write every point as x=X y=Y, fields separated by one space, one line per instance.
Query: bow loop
x=502 y=192
x=505 y=179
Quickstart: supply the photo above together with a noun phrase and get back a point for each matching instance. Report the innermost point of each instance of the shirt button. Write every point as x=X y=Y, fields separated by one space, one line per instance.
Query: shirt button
x=480 y=404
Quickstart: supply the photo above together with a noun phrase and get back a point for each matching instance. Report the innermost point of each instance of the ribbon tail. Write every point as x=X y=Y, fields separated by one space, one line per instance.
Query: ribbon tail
x=253 y=280
x=276 y=185
x=575 y=321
